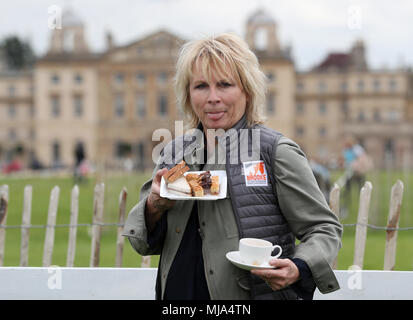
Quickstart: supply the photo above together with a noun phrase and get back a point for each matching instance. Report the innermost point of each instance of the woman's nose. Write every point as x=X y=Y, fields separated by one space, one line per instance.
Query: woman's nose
x=213 y=97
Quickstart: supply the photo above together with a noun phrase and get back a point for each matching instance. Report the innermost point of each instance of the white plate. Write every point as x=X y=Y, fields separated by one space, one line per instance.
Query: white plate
x=235 y=258
x=222 y=188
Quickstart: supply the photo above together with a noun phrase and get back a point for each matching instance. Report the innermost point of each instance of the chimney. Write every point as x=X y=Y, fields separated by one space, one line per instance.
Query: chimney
x=109 y=41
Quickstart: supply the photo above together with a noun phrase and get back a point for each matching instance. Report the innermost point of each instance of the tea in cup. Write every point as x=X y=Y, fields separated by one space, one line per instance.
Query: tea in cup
x=257 y=251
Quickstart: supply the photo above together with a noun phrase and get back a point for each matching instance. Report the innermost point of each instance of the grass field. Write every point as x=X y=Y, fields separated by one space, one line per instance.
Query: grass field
x=374 y=253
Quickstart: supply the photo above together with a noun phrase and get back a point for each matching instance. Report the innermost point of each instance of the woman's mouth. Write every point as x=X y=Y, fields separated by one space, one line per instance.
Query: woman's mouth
x=215 y=116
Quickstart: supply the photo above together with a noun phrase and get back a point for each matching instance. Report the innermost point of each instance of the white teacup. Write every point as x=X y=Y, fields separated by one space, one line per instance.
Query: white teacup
x=257 y=251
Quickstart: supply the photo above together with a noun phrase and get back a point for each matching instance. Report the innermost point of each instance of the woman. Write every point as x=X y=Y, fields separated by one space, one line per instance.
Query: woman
x=220 y=87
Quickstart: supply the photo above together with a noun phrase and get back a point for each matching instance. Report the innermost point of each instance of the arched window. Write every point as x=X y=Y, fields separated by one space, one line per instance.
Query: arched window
x=261 y=39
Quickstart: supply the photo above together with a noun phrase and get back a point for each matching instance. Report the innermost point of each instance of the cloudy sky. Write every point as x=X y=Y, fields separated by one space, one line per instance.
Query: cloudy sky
x=313 y=28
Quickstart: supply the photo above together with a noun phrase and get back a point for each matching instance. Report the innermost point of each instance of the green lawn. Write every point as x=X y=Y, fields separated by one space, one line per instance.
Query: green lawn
x=374 y=253
x=41 y=194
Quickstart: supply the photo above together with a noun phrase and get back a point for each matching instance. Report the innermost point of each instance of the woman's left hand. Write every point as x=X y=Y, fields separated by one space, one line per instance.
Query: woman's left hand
x=286 y=274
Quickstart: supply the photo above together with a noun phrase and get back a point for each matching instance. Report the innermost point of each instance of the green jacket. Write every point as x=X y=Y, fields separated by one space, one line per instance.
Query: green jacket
x=315 y=226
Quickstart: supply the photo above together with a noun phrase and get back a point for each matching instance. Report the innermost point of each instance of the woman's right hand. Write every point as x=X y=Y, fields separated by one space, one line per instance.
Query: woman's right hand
x=155 y=204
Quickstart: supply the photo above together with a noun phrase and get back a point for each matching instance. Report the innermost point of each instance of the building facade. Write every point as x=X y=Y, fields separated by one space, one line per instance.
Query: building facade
x=112 y=102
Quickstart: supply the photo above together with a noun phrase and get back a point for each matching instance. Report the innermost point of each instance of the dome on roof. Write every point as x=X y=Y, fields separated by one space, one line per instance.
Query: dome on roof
x=261 y=17
x=70 y=19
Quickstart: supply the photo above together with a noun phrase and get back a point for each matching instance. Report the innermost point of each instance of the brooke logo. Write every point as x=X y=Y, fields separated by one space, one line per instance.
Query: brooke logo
x=255 y=173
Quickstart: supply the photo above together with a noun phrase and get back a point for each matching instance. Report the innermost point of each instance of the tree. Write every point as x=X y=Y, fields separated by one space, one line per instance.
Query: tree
x=17 y=53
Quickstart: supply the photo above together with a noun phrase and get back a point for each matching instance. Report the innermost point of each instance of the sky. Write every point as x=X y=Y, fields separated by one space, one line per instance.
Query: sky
x=312 y=28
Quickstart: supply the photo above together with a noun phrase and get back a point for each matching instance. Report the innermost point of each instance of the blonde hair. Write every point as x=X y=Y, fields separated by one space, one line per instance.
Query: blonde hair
x=216 y=54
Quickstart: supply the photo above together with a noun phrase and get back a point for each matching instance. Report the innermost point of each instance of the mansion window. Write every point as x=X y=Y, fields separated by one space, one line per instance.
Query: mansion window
x=140 y=78
x=271 y=104
x=12 y=91
x=322 y=86
x=56 y=153
x=300 y=86
x=299 y=131
x=55 y=79
x=376 y=116
x=119 y=106
x=12 y=110
x=32 y=111
x=78 y=106
x=361 y=116
x=343 y=86
x=344 y=109
x=393 y=115
x=322 y=107
x=300 y=108
x=376 y=85
x=270 y=77
x=122 y=149
x=392 y=84
x=162 y=105
x=12 y=134
x=140 y=106
x=360 y=85
x=162 y=78
x=78 y=78
x=322 y=132
x=119 y=78
x=55 y=106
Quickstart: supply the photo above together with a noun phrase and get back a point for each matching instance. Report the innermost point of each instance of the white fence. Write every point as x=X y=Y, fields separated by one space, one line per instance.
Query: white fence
x=54 y=283
x=391 y=229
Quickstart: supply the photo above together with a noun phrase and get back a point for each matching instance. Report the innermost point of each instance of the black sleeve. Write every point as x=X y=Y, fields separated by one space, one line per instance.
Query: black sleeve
x=305 y=287
x=157 y=235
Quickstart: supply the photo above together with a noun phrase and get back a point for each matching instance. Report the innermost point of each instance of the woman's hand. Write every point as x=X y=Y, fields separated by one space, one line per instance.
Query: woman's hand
x=286 y=274
x=155 y=204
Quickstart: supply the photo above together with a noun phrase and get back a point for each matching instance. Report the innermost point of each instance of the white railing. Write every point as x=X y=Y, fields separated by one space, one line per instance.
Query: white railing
x=55 y=283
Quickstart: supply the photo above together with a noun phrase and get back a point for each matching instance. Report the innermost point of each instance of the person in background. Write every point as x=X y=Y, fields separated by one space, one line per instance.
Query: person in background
x=80 y=164
x=356 y=165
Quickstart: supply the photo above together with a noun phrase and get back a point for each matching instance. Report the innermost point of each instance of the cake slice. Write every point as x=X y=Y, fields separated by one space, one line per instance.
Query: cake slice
x=178 y=174
x=191 y=176
x=214 y=185
x=180 y=187
x=197 y=190
x=167 y=176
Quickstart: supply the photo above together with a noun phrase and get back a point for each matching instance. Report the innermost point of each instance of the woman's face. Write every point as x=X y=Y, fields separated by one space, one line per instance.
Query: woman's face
x=219 y=103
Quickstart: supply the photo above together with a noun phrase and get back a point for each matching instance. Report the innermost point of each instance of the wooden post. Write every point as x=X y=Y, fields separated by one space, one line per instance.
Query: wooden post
x=4 y=203
x=120 y=239
x=25 y=230
x=146 y=262
x=362 y=220
x=393 y=222
x=335 y=207
x=74 y=213
x=97 y=220
x=50 y=229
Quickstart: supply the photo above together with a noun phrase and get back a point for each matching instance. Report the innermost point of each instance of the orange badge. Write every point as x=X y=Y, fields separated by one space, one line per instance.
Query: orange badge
x=255 y=173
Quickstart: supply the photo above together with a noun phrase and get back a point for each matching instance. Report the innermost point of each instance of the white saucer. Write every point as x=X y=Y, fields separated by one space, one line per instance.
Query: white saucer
x=234 y=257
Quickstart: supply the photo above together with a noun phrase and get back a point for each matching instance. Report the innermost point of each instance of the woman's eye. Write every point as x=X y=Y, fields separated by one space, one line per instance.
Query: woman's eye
x=225 y=84
x=200 y=86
